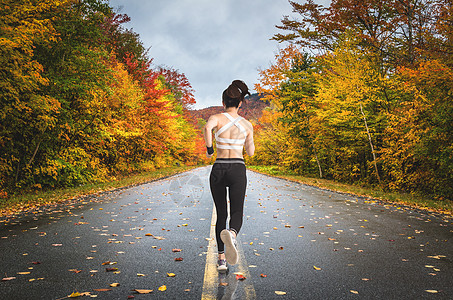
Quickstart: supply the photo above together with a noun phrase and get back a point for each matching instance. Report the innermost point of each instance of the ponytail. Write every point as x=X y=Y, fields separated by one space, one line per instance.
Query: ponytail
x=235 y=93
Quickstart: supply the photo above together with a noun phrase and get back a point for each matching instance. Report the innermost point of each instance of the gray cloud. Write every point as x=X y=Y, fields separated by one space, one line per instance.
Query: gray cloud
x=212 y=42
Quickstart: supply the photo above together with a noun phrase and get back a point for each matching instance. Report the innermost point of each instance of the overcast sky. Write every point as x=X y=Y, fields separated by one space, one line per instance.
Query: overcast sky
x=212 y=42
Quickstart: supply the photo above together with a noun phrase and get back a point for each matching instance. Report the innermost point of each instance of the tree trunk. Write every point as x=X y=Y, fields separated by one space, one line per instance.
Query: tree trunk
x=317 y=161
x=34 y=153
x=17 y=172
x=371 y=144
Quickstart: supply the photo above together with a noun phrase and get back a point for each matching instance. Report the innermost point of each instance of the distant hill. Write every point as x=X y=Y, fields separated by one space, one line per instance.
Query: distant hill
x=252 y=109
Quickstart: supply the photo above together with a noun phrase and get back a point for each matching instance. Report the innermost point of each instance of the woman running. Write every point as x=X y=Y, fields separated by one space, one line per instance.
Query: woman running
x=232 y=133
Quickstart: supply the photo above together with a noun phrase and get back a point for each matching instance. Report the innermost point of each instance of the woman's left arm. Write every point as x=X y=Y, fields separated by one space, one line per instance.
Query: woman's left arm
x=249 y=143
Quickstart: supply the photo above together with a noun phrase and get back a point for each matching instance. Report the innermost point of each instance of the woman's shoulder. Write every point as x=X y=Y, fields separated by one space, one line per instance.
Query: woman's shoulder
x=215 y=116
x=247 y=123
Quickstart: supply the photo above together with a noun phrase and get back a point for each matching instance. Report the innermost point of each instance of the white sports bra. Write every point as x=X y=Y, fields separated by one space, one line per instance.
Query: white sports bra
x=232 y=143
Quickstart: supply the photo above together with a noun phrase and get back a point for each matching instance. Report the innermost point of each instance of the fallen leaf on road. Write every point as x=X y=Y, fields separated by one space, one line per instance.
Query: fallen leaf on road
x=140 y=291
x=102 y=290
x=178 y=259
x=263 y=275
x=316 y=268
x=162 y=288
x=176 y=250
x=280 y=293
x=8 y=278
x=240 y=277
x=77 y=294
x=57 y=245
x=74 y=295
x=432 y=291
x=23 y=273
x=115 y=284
x=354 y=292
x=171 y=274
x=140 y=275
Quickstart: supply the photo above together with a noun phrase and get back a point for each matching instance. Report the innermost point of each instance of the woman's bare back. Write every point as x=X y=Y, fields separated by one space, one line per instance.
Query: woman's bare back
x=235 y=133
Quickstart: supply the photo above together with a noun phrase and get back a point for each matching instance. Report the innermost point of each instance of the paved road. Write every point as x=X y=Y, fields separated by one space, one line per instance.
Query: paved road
x=307 y=243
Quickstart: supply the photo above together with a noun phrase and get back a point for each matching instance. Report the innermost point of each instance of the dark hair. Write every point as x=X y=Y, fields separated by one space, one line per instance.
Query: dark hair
x=235 y=93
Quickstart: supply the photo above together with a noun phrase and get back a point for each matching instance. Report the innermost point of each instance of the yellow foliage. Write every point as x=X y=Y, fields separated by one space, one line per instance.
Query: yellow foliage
x=271 y=78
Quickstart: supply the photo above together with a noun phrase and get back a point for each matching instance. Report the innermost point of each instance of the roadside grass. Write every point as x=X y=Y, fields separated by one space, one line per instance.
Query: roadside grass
x=412 y=200
x=32 y=199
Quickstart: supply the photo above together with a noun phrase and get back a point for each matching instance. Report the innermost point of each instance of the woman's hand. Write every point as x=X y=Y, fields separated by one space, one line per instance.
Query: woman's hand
x=209 y=151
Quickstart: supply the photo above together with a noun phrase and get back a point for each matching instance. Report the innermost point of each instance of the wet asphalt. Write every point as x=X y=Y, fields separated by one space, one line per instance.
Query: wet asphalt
x=297 y=242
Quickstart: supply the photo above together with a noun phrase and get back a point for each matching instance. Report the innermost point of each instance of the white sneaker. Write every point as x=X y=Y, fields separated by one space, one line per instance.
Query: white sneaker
x=222 y=266
x=231 y=252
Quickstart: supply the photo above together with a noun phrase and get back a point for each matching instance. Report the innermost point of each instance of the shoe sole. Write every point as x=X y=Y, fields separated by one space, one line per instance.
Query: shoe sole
x=231 y=252
x=222 y=270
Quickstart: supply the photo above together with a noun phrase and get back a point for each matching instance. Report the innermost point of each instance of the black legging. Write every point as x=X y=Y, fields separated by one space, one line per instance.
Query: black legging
x=233 y=175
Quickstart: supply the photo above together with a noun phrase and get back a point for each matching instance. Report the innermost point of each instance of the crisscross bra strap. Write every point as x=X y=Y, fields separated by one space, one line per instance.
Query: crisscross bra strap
x=239 y=142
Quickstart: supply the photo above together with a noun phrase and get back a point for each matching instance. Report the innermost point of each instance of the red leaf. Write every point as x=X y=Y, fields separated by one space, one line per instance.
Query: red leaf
x=240 y=277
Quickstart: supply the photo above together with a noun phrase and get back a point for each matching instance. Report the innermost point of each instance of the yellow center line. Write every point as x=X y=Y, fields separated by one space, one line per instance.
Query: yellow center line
x=210 y=281
x=243 y=267
x=211 y=277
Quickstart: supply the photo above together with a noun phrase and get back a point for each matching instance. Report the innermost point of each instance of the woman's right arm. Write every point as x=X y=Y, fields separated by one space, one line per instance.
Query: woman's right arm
x=207 y=132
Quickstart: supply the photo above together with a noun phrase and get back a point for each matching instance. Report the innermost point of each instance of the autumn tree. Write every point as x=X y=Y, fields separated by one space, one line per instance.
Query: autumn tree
x=393 y=29
x=419 y=139
x=80 y=99
x=26 y=113
x=376 y=102
x=352 y=109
